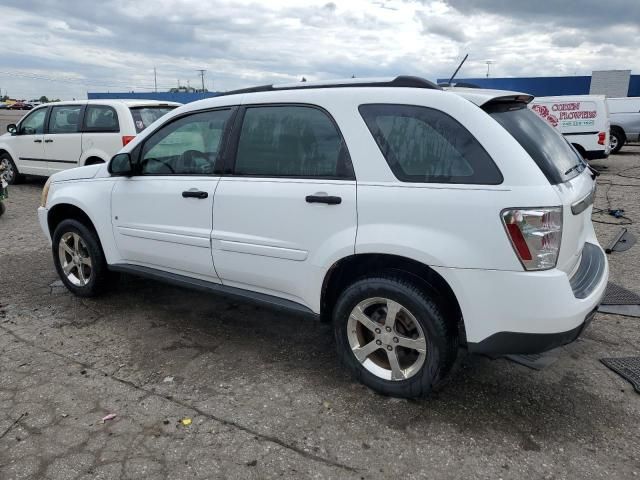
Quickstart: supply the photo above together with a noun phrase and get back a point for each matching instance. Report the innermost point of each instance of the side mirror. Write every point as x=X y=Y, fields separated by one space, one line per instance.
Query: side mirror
x=121 y=165
x=12 y=129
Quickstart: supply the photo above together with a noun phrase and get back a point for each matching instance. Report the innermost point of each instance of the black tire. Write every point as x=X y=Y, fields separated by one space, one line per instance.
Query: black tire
x=12 y=177
x=90 y=246
x=3 y=208
x=440 y=333
x=618 y=138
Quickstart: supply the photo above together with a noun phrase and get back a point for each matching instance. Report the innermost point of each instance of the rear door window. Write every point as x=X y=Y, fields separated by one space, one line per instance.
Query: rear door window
x=65 y=119
x=557 y=159
x=101 y=118
x=291 y=141
x=145 y=116
x=425 y=145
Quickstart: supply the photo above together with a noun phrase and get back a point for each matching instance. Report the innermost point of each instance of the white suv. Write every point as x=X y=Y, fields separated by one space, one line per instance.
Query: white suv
x=414 y=219
x=58 y=136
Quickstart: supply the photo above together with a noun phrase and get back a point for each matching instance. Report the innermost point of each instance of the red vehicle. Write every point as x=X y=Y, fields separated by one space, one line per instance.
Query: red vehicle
x=20 y=106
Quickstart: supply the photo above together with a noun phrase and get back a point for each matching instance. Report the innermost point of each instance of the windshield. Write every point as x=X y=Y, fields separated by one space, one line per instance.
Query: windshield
x=557 y=159
x=145 y=116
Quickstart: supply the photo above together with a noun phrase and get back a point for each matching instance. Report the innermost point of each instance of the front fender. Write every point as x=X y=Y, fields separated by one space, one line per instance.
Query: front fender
x=93 y=197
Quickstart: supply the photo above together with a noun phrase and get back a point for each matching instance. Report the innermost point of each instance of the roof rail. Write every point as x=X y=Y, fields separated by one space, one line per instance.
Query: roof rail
x=399 y=81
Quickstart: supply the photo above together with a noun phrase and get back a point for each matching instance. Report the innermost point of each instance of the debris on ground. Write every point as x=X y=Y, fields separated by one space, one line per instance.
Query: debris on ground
x=111 y=416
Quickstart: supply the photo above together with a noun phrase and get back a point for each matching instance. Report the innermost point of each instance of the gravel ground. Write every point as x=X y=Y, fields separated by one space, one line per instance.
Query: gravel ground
x=266 y=395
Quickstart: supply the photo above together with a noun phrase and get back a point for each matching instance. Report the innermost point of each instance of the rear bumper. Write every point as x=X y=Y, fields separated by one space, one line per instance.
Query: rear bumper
x=528 y=312
x=595 y=154
x=527 y=343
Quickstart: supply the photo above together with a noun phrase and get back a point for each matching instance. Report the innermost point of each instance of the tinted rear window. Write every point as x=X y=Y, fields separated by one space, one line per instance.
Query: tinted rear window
x=145 y=116
x=425 y=145
x=548 y=148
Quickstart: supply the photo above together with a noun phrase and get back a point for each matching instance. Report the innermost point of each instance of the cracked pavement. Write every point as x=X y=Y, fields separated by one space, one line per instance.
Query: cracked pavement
x=266 y=395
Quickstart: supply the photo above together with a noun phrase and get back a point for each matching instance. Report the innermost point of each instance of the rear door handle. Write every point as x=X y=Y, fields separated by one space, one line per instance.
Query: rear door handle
x=195 y=194
x=48 y=140
x=328 y=199
x=37 y=141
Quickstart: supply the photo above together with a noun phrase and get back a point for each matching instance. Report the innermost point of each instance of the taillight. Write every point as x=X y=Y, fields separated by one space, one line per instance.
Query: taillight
x=127 y=138
x=535 y=234
x=601 y=137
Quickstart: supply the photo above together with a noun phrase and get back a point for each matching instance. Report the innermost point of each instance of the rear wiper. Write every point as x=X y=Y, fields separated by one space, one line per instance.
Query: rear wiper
x=575 y=167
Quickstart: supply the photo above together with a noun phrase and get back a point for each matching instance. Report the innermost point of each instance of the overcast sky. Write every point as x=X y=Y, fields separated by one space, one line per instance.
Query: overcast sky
x=68 y=47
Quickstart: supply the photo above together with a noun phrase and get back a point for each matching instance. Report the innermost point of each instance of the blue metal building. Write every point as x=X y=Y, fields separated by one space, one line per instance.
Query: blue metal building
x=545 y=86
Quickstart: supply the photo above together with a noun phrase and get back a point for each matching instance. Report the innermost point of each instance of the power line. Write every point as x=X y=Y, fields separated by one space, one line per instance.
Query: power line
x=114 y=84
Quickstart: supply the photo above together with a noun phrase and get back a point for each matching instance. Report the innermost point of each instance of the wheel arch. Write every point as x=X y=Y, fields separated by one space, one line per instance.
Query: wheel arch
x=64 y=211
x=93 y=160
x=349 y=269
x=618 y=128
x=580 y=149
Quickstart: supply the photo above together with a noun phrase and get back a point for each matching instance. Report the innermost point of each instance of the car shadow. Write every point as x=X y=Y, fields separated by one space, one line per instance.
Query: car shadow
x=193 y=332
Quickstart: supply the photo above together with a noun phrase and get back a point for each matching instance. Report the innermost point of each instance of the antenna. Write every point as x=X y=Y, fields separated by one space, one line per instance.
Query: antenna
x=457 y=69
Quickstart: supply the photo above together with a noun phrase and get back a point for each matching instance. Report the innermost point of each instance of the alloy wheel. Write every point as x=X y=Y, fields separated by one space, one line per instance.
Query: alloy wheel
x=75 y=259
x=7 y=169
x=613 y=142
x=386 y=339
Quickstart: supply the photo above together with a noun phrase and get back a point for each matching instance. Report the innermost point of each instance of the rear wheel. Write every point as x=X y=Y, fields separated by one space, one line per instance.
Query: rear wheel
x=79 y=259
x=11 y=174
x=392 y=336
x=616 y=140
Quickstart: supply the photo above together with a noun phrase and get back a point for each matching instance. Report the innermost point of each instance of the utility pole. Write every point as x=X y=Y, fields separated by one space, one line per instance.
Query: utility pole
x=155 y=80
x=488 y=62
x=202 y=77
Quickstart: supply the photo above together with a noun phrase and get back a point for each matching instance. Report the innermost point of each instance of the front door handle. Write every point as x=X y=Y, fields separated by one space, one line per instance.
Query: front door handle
x=37 y=141
x=195 y=194
x=48 y=140
x=328 y=199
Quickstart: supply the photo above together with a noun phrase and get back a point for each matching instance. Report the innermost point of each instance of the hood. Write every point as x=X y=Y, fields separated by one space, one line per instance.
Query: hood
x=80 y=173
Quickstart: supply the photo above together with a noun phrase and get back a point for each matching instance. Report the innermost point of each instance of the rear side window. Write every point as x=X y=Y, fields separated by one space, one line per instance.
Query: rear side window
x=101 y=118
x=145 y=116
x=65 y=119
x=291 y=141
x=425 y=145
x=557 y=159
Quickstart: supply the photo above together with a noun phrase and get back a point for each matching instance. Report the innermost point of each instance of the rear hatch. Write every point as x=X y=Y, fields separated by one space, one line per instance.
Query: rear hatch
x=563 y=166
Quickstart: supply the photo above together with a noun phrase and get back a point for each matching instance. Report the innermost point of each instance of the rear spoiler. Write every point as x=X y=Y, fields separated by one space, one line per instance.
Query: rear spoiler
x=509 y=99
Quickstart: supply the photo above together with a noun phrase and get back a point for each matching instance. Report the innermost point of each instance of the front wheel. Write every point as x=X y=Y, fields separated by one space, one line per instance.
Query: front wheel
x=392 y=336
x=79 y=259
x=11 y=174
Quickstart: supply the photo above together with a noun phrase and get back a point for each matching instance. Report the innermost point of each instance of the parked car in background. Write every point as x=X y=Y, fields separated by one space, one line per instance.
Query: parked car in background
x=582 y=119
x=3 y=106
x=624 y=114
x=62 y=135
x=473 y=219
x=20 y=106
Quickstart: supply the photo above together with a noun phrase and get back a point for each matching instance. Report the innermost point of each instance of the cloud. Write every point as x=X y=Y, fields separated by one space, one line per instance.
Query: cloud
x=65 y=48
